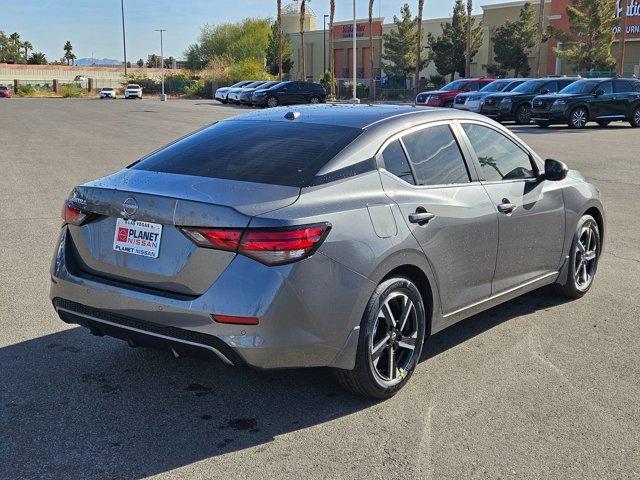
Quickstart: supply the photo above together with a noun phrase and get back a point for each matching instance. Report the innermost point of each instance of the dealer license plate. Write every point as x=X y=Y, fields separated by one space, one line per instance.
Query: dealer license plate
x=137 y=237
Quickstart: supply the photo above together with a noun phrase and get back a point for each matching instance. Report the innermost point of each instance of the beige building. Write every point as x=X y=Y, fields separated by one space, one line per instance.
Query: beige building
x=317 y=53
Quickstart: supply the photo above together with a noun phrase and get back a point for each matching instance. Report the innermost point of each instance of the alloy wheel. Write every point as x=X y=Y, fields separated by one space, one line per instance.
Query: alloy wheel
x=314 y=100
x=586 y=256
x=272 y=102
x=579 y=118
x=392 y=344
x=636 y=117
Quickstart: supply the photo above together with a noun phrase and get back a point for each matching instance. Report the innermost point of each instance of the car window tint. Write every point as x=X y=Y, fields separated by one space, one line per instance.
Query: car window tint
x=435 y=156
x=499 y=157
x=474 y=87
x=280 y=153
x=606 y=87
x=623 y=86
x=395 y=161
x=552 y=87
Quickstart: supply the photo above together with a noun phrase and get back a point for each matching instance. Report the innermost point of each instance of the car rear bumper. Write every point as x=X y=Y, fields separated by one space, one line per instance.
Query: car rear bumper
x=297 y=326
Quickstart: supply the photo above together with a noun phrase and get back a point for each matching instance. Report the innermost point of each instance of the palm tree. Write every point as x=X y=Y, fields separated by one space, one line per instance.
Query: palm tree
x=303 y=11
x=37 y=58
x=68 y=52
x=15 y=38
x=419 y=44
x=279 y=2
x=27 y=46
x=332 y=14
x=372 y=86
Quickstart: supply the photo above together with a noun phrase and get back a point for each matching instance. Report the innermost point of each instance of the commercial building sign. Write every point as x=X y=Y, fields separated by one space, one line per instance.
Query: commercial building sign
x=632 y=13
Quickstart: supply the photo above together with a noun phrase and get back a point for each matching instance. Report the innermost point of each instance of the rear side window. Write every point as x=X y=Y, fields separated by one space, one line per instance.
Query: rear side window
x=606 y=87
x=623 y=86
x=279 y=153
x=435 y=156
x=395 y=161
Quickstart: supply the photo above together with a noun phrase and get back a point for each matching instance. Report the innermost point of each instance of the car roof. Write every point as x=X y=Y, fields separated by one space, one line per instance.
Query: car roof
x=354 y=116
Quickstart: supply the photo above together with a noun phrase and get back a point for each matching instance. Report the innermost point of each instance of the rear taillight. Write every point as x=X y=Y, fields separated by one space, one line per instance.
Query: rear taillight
x=271 y=246
x=73 y=215
x=218 y=238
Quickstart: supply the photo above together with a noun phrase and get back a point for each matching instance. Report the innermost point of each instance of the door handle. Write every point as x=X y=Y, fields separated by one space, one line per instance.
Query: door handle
x=421 y=217
x=506 y=207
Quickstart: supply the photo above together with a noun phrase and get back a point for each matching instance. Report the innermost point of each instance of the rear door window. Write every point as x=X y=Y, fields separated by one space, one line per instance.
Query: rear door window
x=606 y=87
x=395 y=162
x=435 y=156
x=274 y=152
x=623 y=86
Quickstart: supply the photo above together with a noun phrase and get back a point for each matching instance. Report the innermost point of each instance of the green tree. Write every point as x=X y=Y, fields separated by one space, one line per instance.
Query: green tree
x=140 y=63
x=236 y=41
x=513 y=40
x=37 y=58
x=590 y=35
x=272 y=52
x=69 y=56
x=153 y=61
x=448 y=51
x=399 y=57
x=10 y=48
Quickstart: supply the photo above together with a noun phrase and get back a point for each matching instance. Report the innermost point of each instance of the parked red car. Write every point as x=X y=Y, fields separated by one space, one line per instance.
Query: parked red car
x=444 y=97
x=5 y=92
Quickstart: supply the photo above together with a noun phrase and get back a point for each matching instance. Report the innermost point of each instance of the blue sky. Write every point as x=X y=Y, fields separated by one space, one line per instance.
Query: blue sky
x=93 y=26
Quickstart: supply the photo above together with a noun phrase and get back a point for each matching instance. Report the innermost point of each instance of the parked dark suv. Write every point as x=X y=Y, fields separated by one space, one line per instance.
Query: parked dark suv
x=444 y=97
x=289 y=93
x=516 y=104
x=600 y=100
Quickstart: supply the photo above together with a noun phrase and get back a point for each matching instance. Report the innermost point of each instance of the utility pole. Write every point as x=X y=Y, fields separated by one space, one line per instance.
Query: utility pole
x=623 y=38
x=355 y=63
x=163 y=97
x=279 y=41
x=467 y=64
x=324 y=44
x=124 y=37
x=539 y=37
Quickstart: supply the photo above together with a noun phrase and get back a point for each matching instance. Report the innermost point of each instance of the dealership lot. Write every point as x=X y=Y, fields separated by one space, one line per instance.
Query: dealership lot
x=536 y=388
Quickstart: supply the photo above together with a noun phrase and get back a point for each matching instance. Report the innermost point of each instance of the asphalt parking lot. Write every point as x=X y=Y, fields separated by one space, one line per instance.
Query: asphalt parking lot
x=536 y=388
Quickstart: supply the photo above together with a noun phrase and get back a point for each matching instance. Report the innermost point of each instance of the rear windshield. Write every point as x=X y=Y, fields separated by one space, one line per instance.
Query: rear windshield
x=280 y=153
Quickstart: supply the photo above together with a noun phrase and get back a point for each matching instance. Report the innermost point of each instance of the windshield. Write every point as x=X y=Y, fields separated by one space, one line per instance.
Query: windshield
x=107 y=89
x=582 y=86
x=133 y=86
x=280 y=153
x=239 y=84
x=453 y=86
x=2 y=87
x=268 y=85
x=253 y=85
x=513 y=85
x=495 y=86
x=529 y=86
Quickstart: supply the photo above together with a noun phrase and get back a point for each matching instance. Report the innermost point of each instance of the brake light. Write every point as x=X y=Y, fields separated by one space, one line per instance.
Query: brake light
x=218 y=238
x=271 y=246
x=73 y=215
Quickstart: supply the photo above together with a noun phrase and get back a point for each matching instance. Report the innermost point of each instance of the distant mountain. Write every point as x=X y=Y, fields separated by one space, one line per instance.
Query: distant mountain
x=97 y=61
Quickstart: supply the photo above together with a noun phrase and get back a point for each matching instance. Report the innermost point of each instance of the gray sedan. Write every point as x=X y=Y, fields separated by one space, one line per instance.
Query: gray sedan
x=330 y=235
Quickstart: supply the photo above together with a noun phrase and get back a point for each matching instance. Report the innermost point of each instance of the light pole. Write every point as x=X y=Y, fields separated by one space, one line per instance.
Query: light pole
x=355 y=64
x=324 y=44
x=163 y=97
x=124 y=38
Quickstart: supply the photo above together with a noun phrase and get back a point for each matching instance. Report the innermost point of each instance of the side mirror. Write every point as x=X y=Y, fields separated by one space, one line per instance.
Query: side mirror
x=544 y=91
x=599 y=92
x=555 y=170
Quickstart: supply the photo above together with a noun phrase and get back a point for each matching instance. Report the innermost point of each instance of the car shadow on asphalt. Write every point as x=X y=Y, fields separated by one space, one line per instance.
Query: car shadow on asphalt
x=76 y=406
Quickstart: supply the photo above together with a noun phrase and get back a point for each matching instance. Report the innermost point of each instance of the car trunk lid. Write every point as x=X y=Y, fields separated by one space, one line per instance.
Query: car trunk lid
x=172 y=201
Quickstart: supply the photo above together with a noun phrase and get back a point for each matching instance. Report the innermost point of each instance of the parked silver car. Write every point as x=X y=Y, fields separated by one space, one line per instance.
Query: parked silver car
x=330 y=235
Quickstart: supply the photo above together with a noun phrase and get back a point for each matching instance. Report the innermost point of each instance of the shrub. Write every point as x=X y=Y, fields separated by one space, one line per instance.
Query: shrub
x=196 y=88
x=362 y=90
x=26 y=91
x=70 y=90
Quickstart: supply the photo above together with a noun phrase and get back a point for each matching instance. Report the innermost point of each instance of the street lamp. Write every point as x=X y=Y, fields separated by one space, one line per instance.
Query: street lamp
x=124 y=39
x=163 y=97
x=324 y=43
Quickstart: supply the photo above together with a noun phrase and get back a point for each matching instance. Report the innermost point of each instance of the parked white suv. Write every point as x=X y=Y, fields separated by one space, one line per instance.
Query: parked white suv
x=133 y=91
x=108 y=92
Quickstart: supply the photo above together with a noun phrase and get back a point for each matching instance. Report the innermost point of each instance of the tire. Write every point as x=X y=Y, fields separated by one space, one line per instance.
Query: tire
x=543 y=124
x=370 y=377
x=448 y=104
x=583 y=259
x=523 y=114
x=272 y=102
x=603 y=124
x=635 y=118
x=578 y=118
x=314 y=100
